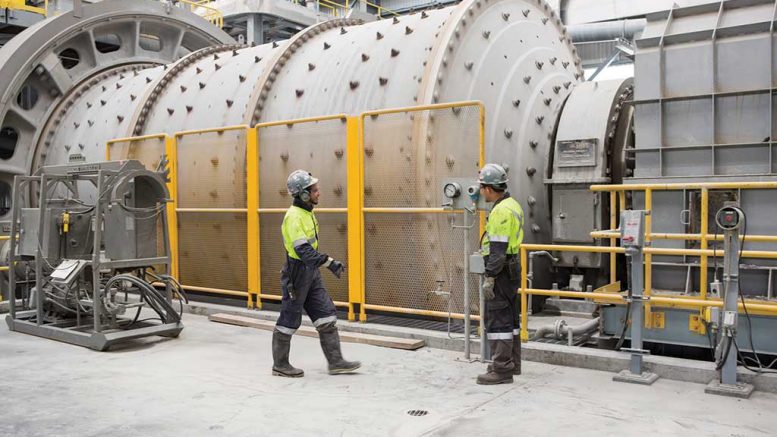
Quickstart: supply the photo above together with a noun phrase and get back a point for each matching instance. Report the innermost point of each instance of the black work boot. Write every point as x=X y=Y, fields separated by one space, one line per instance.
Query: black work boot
x=330 y=344
x=281 y=343
x=501 y=372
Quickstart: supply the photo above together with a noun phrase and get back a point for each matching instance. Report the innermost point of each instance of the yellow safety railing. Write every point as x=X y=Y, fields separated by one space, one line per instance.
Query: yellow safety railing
x=703 y=236
x=349 y=132
x=205 y=9
x=336 y=9
x=703 y=302
x=21 y=5
x=341 y=127
x=381 y=10
x=411 y=111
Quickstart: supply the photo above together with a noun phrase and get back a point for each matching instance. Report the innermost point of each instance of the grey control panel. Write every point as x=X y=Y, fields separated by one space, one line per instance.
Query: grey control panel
x=633 y=228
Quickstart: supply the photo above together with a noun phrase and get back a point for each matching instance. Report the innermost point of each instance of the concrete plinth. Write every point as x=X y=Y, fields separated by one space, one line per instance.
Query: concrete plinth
x=740 y=390
x=645 y=378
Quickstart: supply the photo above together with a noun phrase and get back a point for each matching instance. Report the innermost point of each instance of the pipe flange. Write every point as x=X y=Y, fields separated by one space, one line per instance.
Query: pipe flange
x=560 y=329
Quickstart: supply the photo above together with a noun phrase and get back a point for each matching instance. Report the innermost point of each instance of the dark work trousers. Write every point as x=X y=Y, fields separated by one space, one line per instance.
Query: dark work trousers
x=503 y=317
x=304 y=282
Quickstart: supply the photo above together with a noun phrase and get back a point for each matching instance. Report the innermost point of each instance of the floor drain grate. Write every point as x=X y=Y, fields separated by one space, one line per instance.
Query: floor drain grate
x=417 y=413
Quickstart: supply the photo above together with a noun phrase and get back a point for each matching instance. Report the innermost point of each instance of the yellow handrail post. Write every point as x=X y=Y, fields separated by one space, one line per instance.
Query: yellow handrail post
x=361 y=242
x=171 y=150
x=252 y=209
x=705 y=198
x=355 y=219
x=648 y=259
x=524 y=309
x=613 y=240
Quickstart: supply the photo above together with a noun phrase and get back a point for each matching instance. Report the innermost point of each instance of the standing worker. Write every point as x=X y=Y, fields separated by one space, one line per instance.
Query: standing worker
x=301 y=282
x=500 y=247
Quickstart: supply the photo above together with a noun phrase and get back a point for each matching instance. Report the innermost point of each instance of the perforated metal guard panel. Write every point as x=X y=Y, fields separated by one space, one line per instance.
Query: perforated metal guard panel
x=212 y=245
x=148 y=152
x=211 y=170
x=407 y=158
x=212 y=250
x=320 y=148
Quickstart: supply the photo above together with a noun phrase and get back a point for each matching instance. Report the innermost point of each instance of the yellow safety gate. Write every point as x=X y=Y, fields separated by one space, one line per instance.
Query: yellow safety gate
x=228 y=197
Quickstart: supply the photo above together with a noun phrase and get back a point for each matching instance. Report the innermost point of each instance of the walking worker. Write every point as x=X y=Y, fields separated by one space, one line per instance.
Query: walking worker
x=500 y=247
x=301 y=282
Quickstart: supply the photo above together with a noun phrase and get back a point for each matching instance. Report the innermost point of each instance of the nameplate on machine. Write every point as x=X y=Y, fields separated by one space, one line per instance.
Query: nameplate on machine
x=576 y=153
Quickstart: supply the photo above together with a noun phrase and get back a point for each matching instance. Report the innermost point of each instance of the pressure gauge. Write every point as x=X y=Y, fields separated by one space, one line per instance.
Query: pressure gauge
x=452 y=190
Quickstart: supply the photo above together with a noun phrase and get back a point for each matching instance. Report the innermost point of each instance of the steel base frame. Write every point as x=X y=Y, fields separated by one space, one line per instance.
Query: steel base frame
x=99 y=341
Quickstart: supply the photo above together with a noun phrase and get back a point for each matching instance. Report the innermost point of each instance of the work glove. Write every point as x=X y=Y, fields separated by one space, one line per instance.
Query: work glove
x=336 y=267
x=488 y=288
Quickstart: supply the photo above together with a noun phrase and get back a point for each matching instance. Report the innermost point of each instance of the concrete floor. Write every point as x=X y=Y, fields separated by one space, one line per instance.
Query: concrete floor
x=215 y=380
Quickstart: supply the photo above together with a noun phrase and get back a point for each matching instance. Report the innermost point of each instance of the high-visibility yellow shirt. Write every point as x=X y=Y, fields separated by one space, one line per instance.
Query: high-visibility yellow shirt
x=299 y=227
x=505 y=224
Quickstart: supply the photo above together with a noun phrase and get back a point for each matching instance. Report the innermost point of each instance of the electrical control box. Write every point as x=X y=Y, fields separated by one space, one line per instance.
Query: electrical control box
x=633 y=228
x=729 y=218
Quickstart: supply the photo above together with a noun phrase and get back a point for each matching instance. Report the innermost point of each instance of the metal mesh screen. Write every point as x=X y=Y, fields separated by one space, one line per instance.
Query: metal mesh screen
x=408 y=156
x=212 y=170
x=212 y=245
x=149 y=151
x=212 y=250
x=320 y=148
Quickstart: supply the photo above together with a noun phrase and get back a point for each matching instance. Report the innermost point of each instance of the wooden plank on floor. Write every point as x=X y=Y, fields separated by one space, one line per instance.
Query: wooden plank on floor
x=307 y=331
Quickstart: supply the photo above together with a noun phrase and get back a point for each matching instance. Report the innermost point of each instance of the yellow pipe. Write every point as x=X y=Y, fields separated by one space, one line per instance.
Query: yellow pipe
x=362 y=245
x=705 y=198
x=686 y=186
x=277 y=297
x=213 y=210
x=171 y=149
x=648 y=263
x=354 y=210
x=571 y=248
x=660 y=300
x=429 y=313
x=435 y=106
x=760 y=254
x=412 y=210
x=211 y=130
x=292 y=122
x=689 y=237
x=135 y=139
x=614 y=238
x=5 y=237
x=524 y=298
x=317 y=210
x=215 y=290
x=252 y=223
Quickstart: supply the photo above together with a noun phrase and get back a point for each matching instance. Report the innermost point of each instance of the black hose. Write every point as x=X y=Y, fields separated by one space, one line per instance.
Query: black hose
x=722 y=359
x=625 y=327
x=155 y=300
x=628 y=311
x=760 y=368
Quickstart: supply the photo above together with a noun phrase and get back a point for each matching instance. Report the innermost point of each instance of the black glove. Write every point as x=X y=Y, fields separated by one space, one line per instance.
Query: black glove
x=336 y=267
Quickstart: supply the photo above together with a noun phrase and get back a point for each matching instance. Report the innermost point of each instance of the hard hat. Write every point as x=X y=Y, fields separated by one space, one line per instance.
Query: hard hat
x=298 y=181
x=492 y=174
